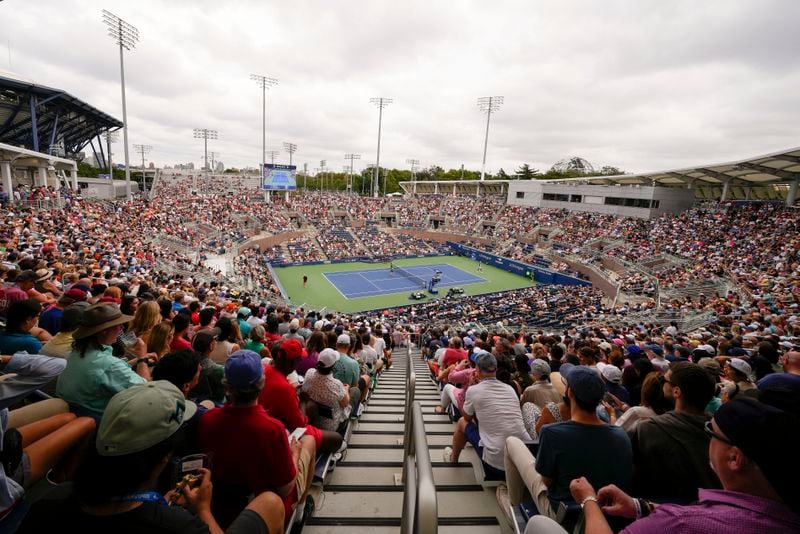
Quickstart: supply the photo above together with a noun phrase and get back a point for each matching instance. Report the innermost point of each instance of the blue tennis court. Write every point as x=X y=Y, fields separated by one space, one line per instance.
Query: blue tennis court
x=374 y=282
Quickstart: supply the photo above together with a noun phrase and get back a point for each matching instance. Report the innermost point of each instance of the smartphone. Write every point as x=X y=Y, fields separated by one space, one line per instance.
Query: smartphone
x=188 y=465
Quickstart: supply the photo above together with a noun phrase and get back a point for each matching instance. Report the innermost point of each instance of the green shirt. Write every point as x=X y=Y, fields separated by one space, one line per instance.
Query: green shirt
x=89 y=382
x=346 y=370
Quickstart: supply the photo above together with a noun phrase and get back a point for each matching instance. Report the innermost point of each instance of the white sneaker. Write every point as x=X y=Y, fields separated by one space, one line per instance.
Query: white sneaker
x=504 y=502
x=447 y=454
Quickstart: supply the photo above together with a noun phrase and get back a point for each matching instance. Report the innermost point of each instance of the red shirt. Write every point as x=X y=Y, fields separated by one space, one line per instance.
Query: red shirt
x=179 y=343
x=249 y=449
x=280 y=400
x=452 y=356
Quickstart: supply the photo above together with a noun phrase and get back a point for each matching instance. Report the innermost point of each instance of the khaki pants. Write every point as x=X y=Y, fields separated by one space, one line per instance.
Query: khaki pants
x=521 y=474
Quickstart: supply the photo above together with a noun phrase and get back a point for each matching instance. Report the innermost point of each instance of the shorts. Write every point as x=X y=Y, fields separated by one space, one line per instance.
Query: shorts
x=474 y=438
x=248 y=522
x=304 y=463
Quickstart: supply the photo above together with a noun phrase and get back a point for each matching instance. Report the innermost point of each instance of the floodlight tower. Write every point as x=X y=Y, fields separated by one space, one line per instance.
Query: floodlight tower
x=488 y=104
x=414 y=163
x=205 y=134
x=126 y=36
x=111 y=137
x=142 y=150
x=271 y=154
x=380 y=103
x=291 y=148
x=214 y=157
x=264 y=82
x=351 y=157
x=322 y=169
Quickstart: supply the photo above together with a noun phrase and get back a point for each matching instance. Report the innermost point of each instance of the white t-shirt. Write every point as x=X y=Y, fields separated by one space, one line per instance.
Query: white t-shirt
x=379 y=346
x=496 y=406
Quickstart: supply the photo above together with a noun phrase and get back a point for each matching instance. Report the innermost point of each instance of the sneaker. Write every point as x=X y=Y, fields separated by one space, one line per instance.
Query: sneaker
x=447 y=454
x=504 y=502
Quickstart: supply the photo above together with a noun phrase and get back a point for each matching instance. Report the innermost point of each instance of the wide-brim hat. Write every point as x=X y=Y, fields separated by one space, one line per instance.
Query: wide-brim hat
x=43 y=274
x=98 y=317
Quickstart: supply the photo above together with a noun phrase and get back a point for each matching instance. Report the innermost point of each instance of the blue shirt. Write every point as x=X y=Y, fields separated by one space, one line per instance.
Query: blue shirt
x=50 y=320
x=564 y=455
x=89 y=381
x=12 y=342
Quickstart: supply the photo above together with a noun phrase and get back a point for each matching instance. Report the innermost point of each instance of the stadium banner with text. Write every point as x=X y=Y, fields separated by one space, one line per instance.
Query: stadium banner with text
x=543 y=276
x=279 y=177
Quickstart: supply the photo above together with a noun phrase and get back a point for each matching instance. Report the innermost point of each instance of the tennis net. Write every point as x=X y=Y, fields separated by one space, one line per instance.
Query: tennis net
x=414 y=278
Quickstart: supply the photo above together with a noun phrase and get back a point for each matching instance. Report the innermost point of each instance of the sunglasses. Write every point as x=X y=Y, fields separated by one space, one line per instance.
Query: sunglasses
x=710 y=431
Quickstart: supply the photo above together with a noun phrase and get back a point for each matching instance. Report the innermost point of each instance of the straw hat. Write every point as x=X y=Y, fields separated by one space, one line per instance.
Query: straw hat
x=98 y=317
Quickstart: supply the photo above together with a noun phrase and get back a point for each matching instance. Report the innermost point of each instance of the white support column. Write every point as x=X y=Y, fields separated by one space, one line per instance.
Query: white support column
x=5 y=171
x=454 y=189
x=477 y=189
x=748 y=192
x=74 y=176
x=791 y=195
x=436 y=188
x=42 y=178
x=726 y=190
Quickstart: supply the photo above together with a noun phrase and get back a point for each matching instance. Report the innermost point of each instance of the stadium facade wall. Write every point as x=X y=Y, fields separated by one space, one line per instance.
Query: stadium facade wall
x=541 y=275
x=644 y=202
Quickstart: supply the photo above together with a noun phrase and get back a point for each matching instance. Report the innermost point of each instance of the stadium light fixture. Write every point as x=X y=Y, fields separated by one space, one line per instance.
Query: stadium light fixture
x=351 y=157
x=142 y=150
x=110 y=137
x=205 y=134
x=264 y=82
x=488 y=104
x=380 y=103
x=126 y=36
x=272 y=154
x=291 y=148
x=414 y=164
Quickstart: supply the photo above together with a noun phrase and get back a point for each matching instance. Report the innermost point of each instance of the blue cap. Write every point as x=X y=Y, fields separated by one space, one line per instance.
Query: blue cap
x=243 y=369
x=655 y=348
x=475 y=353
x=634 y=349
x=585 y=383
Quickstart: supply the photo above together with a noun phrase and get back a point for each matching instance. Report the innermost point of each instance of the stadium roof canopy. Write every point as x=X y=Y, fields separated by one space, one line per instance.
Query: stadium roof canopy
x=777 y=168
x=44 y=119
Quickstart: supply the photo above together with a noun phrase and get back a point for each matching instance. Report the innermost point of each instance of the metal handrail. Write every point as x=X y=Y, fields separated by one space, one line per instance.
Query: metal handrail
x=411 y=383
x=420 y=508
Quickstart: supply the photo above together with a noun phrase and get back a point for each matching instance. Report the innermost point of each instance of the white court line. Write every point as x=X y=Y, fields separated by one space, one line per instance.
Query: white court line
x=334 y=285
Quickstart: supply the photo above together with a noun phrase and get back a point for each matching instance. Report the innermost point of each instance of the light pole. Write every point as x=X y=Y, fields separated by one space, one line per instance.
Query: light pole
x=291 y=148
x=214 y=157
x=271 y=154
x=488 y=104
x=351 y=157
x=414 y=163
x=264 y=82
x=205 y=134
x=111 y=137
x=126 y=36
x=305 y=177
x=380 y=103
x=142 y=150
x=322 y=169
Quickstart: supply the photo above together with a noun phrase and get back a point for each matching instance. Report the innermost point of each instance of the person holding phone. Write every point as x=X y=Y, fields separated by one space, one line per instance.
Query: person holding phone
x=115 y=487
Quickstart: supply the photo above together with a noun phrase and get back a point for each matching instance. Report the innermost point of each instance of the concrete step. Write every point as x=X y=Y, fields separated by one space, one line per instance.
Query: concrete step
x=380 y=476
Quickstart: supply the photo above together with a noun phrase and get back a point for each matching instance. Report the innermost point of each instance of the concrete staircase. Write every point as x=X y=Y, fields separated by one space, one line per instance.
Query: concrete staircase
x=365 y=493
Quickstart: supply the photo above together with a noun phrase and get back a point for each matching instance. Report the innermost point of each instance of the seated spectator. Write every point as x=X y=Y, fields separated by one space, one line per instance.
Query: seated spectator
x=182 y=368
x=160 y=339
x=563 y=454
x=209 y=385
x=521 y=377
x=37 y=438
x=491 y=414
x=655 y=353
x=454 y=353
x=789 y=378
x=541 y=391
x=239 y=433
x=61 y=344
x=741 y=375
x=50 y=319
x=459 y=378
x=256 y=342
x=93 y=374
x=227 y=342
x=612 y=378
x=327 y=399
x=671 y=450
x=652 y=404
x=114 y=487
x=348 y=372
x=314 y=345
x=180 y=323
x=148 y=315
x=21 y=320
x=748 y=440
x=280 y=399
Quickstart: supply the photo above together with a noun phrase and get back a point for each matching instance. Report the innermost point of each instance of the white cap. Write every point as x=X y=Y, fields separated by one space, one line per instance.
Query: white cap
x=612 y=374
x=327 y=358
x=344 y=339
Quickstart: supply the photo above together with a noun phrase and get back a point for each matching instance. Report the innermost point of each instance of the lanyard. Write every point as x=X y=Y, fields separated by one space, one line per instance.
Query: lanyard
x=143 y=496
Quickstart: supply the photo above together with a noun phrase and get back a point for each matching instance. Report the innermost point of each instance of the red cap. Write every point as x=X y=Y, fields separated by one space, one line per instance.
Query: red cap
x=293 y=349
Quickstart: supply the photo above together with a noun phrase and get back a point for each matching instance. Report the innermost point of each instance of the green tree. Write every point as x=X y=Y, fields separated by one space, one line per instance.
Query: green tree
x=525 y=172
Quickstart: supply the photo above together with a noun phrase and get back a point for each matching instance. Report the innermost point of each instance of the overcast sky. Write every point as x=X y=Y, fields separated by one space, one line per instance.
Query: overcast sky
x=638 y=84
